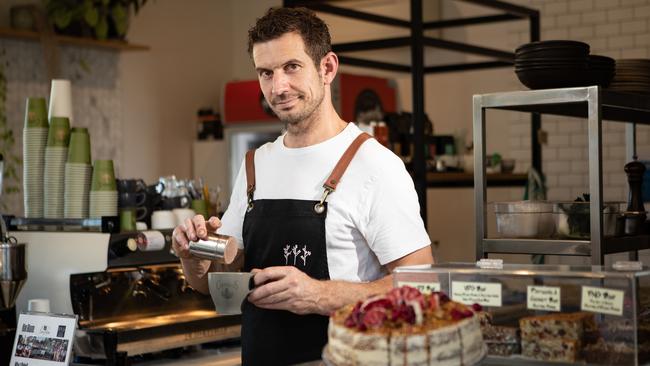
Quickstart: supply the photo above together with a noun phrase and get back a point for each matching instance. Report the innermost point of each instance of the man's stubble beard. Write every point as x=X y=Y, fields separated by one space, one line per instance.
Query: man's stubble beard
x=302 y=121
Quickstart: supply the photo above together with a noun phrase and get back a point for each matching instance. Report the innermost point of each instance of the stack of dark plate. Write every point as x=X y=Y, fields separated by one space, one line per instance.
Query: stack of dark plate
x=552 y=64
x=601 y=70
x=632 y=76
x=561 y=64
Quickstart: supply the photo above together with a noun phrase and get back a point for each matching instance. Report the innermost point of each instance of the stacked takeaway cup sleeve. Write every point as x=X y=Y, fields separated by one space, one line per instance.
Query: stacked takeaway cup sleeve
x=35 y=134
x=56 y=155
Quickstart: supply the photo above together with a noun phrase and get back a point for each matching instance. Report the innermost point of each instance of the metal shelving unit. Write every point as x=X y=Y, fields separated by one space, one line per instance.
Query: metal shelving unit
x=417 y=41
x=593 y=103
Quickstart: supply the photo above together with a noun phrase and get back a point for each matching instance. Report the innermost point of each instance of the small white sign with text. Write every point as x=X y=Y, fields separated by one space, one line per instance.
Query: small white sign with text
x=482 y=293
x=543 y=298
x=43 y=339
x=424 y=287
x=602 y=300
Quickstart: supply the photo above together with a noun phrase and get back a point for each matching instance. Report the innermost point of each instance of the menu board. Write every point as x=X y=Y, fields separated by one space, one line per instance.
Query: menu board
x=43 y=339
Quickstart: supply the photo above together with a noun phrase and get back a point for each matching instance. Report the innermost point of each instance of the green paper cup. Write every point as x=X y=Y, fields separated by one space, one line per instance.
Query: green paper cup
x=59 y=133
x=127 y=219
x=103 y=176
x=36 y=113
x=79 y=149
x=200 y=207
x=80 y=129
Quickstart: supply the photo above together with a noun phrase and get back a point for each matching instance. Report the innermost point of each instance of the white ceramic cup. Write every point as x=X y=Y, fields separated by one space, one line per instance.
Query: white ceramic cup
x=140 y=225
x=39 y=305
x=60 y=99
x=182 y=214
x=163 y=219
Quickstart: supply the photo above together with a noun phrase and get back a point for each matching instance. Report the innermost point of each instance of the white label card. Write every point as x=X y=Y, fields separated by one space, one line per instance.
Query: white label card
x=543 y=298
x=424 y=287
x=43 y=339
x=483 y=293
x=602 y=300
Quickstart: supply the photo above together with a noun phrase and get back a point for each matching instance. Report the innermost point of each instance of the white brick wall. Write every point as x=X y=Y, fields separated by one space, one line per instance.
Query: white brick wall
x=615 y=28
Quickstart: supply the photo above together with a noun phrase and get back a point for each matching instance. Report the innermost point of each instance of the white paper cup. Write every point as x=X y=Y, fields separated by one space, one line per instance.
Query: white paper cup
x=163 y=219
x=40 y=305
x=60 y=99
x=183 y=214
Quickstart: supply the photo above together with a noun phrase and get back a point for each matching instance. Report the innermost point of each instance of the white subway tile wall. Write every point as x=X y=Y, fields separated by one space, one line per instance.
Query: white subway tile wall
x=619 y=29
x=95 y=93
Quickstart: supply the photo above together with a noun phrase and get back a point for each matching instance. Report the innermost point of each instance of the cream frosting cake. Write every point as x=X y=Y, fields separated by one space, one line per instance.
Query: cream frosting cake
x=405 y=327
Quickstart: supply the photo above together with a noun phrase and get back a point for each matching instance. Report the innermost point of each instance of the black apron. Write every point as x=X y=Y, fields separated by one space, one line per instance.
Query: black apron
x=286 y=232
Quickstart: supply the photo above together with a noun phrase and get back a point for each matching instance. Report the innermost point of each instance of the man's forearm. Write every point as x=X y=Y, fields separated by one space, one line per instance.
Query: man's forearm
x=336 y=294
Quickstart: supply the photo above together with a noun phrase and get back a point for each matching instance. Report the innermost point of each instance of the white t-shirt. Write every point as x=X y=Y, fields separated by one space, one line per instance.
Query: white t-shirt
x=373 y=216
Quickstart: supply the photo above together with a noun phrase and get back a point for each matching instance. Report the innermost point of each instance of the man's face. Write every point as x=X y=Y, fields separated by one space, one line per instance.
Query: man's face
x=291 y=83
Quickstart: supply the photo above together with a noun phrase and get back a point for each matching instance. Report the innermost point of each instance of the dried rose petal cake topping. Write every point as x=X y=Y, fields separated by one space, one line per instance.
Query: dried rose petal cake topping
x=404 y=306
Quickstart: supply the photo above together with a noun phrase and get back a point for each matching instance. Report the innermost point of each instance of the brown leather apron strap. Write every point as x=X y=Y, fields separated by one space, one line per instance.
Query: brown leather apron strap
x=330 y=184
x=250 y=174
x=333 y=181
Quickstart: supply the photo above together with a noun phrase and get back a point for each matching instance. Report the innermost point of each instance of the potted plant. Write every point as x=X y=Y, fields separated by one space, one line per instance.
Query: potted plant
x=100 y=19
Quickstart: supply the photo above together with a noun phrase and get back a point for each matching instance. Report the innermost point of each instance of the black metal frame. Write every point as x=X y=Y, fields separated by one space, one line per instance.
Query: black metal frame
x=417 y=41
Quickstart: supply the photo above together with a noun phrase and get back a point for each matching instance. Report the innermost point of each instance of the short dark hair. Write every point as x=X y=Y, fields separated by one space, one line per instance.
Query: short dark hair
x=279 y=21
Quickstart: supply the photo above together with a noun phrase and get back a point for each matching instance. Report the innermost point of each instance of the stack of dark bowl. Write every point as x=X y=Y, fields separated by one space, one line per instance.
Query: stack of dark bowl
x=632 y=76
x=560 y=64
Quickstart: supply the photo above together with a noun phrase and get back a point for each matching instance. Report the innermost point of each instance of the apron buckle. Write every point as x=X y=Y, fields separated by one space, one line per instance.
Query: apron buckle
x=319 y=208
x=250 y=202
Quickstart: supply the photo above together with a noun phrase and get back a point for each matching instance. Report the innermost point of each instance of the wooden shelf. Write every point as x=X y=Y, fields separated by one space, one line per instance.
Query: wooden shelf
x=73 y=41
x=458 y=179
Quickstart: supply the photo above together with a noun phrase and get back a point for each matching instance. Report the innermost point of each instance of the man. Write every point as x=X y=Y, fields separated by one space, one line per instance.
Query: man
x=317 y=233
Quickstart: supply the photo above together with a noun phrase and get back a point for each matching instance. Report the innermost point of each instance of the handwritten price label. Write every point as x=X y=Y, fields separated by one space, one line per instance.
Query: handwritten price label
x=602 y=300
x=424 y=287
x=483 y=293
x=543 y=298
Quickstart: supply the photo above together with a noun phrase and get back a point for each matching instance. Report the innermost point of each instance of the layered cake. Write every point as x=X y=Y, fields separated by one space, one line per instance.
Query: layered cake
x=405 y=327
x=501 y=340
x=557 y=337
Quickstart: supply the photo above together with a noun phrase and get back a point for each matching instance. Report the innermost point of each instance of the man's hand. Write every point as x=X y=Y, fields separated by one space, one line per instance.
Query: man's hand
x=286 y=288
x=192 y=230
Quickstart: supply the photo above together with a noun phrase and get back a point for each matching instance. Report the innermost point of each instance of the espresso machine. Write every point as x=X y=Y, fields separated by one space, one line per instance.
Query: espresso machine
x=130 y=299
x=12 y=278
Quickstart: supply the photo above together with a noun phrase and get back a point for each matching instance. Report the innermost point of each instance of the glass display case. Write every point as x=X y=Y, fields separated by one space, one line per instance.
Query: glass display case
x=538 y=314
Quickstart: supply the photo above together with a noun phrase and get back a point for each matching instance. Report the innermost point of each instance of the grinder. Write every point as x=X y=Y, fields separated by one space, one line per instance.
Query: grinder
x=12 y=277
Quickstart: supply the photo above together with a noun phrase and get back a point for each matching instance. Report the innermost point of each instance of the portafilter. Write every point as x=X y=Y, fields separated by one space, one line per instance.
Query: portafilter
x=12 y=261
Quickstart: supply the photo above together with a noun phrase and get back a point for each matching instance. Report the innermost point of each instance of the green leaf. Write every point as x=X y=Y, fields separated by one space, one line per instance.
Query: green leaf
x=101 y=29
x=62 y=18
x=120 y=18
x=91 y=15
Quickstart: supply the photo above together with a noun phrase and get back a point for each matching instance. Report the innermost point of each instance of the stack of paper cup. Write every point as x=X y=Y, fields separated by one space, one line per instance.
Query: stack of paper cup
x=56 y=155
x=77 y=175
x=61 y=99
x=34 y=141
x=103 y=190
